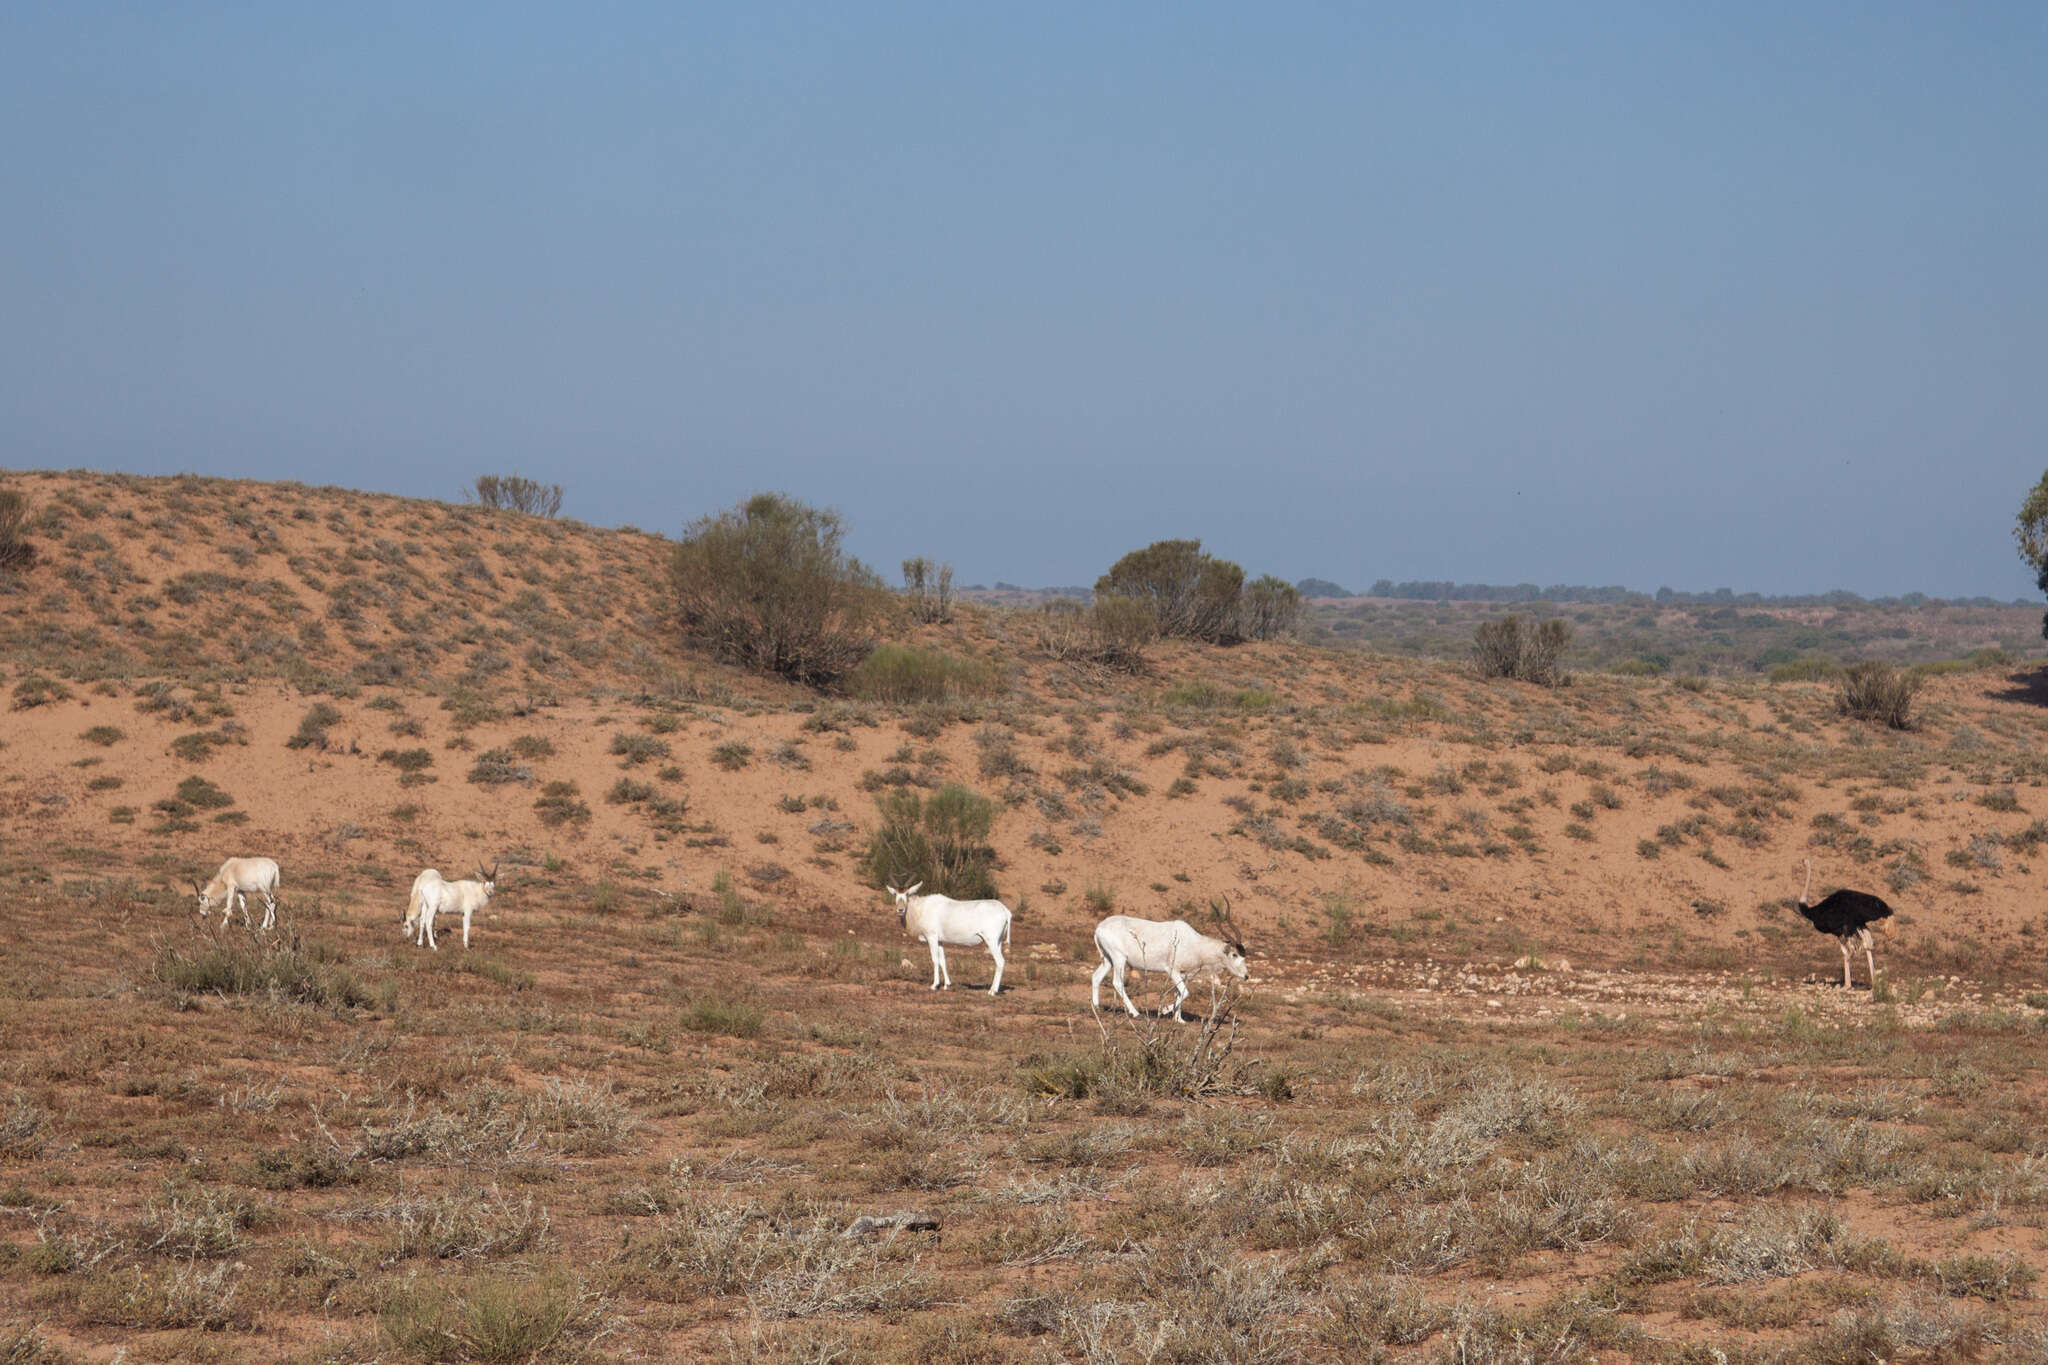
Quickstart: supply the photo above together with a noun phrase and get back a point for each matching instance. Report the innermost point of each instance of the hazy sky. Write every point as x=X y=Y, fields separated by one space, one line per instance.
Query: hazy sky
x=1752 y=295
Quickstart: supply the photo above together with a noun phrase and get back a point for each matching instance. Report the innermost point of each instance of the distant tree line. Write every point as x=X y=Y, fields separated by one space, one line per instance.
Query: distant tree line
x=1428 y=590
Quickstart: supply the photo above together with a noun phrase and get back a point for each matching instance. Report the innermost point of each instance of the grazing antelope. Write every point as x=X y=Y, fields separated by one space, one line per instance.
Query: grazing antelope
x=433 y=895
x=939 y=920
x=1173 y=946
x=236 y=878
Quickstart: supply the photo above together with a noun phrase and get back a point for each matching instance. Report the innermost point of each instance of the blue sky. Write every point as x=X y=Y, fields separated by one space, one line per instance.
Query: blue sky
x=1735 y=295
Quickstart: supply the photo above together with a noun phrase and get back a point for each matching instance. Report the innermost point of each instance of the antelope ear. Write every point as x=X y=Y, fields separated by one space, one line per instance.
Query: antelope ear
x=890 y=889
x=912 y=889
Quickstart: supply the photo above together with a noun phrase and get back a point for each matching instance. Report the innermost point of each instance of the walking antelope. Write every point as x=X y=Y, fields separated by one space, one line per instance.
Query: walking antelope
x=433 y=895
x=940 y=920
x=1173 y=946
x=237 y=877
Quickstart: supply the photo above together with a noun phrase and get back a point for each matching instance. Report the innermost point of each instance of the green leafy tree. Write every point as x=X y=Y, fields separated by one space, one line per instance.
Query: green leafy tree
x=2032 y=534
x=770 y=586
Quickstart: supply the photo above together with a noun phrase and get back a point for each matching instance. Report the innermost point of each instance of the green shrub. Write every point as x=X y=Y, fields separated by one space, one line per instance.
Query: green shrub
x=733 y=756
x=903 y=673
x=626 y=791
x=928 y=588
x=768 y=585
x=197 y=746
x=1187 y=593
x=560 y=803
x=714 y=1014
x=407 y=760
x=494 y=767
x=286 y=967
x=533 y=746
x=1271 y=607
x=36 y=690
x=1805 y=670
x=495 y=1321
x=1877 y=692
x=313 y=726
x=1202 y=694
x=106 y=736
x=940 y=841
x=200 y=794
x=637 y=748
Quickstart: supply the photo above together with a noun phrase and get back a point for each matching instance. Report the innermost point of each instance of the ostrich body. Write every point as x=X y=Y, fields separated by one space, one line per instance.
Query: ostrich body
x=1847 y=915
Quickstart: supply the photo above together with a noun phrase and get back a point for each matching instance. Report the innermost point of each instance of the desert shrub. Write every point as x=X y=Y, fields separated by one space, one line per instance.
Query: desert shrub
x=197 y=746
x=1271 y=607
x=716 y=1014
x=769 y=585
x=312 y=731
x=1503 y=649
x=940 y=841
x=16 y=550
x=559 y=803
x=493 y=1319
x=1875 y=691
x=286 y=967
x=1189 y=594
x=1805 y=670
x=516 y=493
x=22 y=1127
x=903 y=673
x=200 y=794
x=533 y=746
x=928 y=587
x=628 y=792
x=1113 y=632
x=636 y=748
x=496 y=766
x=104 y=735
x=407 y=760
x=35 y=690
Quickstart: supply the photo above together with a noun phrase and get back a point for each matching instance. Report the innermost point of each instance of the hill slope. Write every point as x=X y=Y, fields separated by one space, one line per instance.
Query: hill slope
x=496 y=686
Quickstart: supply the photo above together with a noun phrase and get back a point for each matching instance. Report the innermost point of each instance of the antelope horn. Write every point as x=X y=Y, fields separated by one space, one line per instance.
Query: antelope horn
x=1228 y=922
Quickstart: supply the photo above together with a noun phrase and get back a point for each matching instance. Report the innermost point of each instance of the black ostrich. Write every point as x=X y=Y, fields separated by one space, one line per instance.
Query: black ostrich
x=1847 y=915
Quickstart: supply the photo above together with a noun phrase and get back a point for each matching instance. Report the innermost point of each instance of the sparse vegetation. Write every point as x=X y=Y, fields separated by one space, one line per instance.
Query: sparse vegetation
x=1527 y=1095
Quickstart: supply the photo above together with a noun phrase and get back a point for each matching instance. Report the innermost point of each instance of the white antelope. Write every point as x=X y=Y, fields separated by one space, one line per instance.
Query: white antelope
x=231 y=885
x=939 y=920
x=433 y=895
x=1173 y=946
